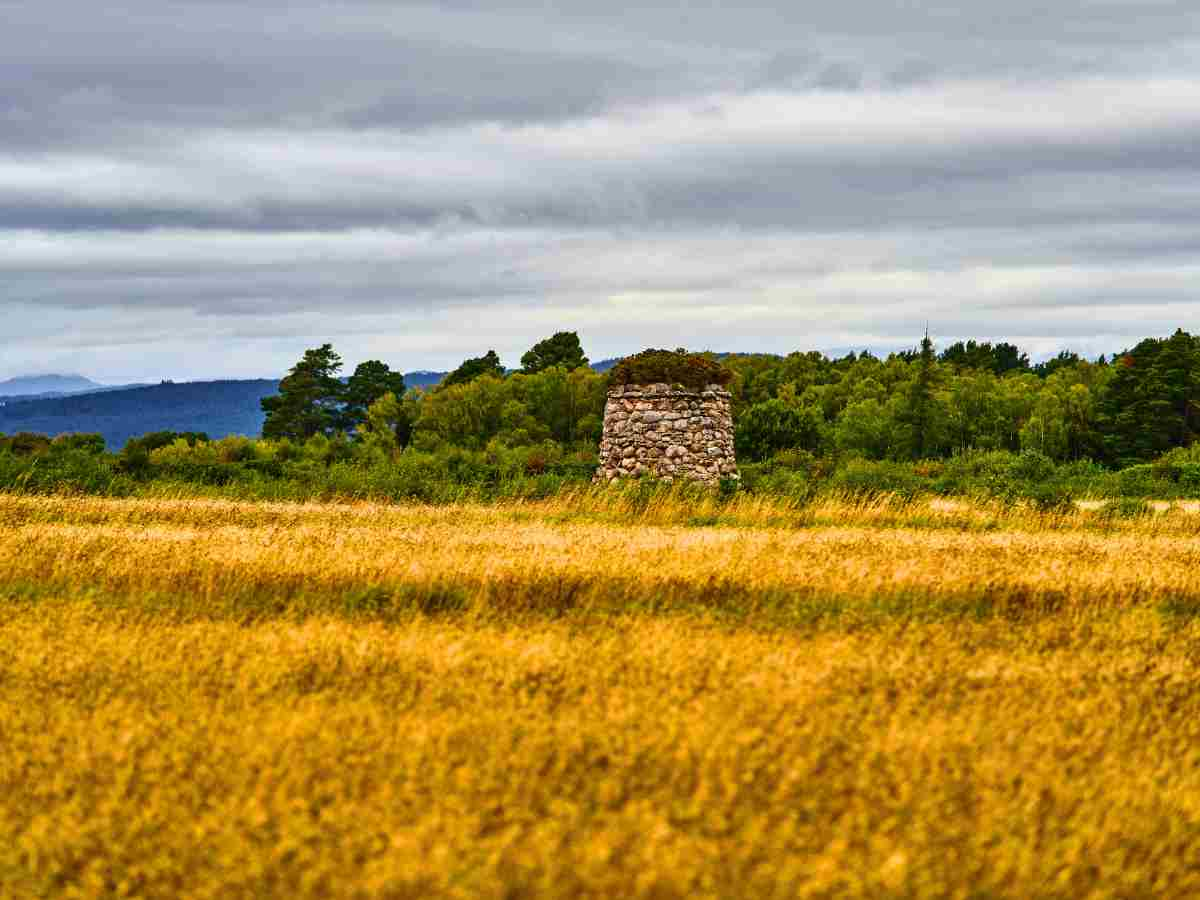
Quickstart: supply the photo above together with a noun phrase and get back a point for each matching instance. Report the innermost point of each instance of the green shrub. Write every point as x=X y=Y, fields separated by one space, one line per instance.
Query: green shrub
x=1032 y=466
x=1181 y=455
x=727 y=487
x=181 y=453
x=71 y=470
x=88 y=443
x=26 y=443
x=868 y=477
x=1138 y=481
x=235 y=448
x=134 y=458
x=979 y=465
x=779 y=482
x=1084 y=478
x=1189 y=479
x=1048 y=497
x=768 y=427
x=797 y=460
x=1126 y=508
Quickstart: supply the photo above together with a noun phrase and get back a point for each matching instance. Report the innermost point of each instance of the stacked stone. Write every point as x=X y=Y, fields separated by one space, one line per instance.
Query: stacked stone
x=665 y=432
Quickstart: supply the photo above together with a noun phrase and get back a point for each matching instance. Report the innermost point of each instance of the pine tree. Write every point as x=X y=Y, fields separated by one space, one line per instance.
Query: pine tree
x=370 y=381
x=1135 y=410
x=561 y=349
x=919 y=412
x=488 y=364
x=309 y=398
x=1177 y=368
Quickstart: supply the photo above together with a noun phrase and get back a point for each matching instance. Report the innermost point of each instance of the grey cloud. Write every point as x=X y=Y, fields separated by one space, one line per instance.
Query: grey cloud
x=441 y=175
x=791 y=68
x=151 y=62
x=883 y=183
x=912 y=72
x=441 y=86
x=802 y=69
x=839 y=77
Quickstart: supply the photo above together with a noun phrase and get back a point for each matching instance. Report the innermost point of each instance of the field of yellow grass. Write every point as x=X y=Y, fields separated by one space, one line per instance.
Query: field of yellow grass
x=597 y=696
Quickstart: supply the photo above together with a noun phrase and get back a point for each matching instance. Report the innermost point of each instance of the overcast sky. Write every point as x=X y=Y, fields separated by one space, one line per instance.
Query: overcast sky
x=204 y=189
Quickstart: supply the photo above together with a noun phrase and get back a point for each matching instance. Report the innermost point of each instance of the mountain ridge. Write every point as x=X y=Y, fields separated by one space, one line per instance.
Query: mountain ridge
x=51 y=383
x=218 y=408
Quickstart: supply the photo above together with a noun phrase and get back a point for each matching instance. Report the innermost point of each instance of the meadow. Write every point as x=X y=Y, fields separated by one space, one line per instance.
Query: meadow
x=598 y=694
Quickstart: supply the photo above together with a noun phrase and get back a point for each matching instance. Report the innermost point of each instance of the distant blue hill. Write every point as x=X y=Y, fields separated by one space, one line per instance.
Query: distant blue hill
x=423 y=379
x=42 y=385
x=219 y=408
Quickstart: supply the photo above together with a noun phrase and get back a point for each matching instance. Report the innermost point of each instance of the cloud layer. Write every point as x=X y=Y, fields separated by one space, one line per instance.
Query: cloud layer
x=193 y=189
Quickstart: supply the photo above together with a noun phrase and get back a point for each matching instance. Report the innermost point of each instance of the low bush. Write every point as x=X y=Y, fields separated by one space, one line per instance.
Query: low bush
x=869 y=477
x=70 y=470
x=322 y=467
x=25 y=444
x=1125 y=508
x=1139 y=481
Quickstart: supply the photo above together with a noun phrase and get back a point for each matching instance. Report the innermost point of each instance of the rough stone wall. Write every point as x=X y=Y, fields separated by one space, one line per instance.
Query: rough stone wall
x=661 y=431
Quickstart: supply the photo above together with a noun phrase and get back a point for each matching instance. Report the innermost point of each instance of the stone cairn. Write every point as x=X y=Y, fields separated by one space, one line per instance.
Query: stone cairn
x=667 y=432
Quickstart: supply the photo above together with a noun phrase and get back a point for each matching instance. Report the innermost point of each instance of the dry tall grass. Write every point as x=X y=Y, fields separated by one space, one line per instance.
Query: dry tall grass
x=211 y=699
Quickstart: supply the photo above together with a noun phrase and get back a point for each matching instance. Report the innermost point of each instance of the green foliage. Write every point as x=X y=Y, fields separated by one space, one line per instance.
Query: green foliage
x=920 y=414
x=152 y=440
x=1065 y=360
x=63 y=466
x=804 y=424
x=774 y=425
x=312 y=400
x=1126 y=508
x=1180 y=467
x=1178 y=456
x=309 y=399
x=677 y=367
x=997 y=359
x=1032 y=466
x=777 y=479
x=561 y=349
x=1138 y=481
x=472 y=413
x=371 y=381
x=134 y=458
x=1152 y=402
x=327 y=467
x=87 y=443
x=519 y=410
x=25 y=443
x=388 y=426
x=868 y=428
x=1048 y=497
x=799 y=460
x=915 y=405
x=870 y=477
x=210 y=462
x=477 y=367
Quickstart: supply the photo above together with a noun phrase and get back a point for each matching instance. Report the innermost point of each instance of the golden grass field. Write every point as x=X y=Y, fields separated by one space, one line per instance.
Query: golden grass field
x=595 y=696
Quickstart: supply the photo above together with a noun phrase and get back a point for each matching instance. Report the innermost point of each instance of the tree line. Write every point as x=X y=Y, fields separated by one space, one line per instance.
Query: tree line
x=918 y=404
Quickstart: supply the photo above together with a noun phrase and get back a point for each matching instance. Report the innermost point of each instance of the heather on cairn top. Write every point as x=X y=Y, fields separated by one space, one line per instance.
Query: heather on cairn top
x=674 y=367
